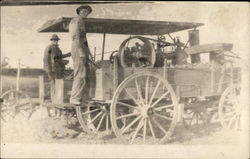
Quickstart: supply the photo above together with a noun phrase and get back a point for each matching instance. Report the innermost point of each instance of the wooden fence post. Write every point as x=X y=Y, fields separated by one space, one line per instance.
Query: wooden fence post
x=18 y=76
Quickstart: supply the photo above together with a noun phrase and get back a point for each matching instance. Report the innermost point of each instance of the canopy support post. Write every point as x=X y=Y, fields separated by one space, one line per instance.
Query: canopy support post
x=103 y=45
x=170 y=37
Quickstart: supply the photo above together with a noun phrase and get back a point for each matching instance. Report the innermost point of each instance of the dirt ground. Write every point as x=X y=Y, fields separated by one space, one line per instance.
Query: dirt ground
x=42 y=129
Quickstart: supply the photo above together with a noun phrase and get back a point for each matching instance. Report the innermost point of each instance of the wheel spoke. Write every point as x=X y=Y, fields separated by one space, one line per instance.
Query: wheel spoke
x=239 y=123
x=227 y=119
x=100 y=122
x=215 y=117
x=3 y=118
x=151 y=129
x=231 y=121
x=10 y=114
x=3 y=115
x=144 y=130
x=138 y=88
x=229 y=114
x=23 y=104
x=10 y=104
x=127 y=115
x=229 y=107
x=22 y=114
x=24 y=110
x=159 y=126
x=131 y=124
x=132 y=97
x=6 y=109
x=193 y=114
x=236 y=123
x=91 y=111
x=197 y=118
x=12 y=95
x=26 y=107
x=153 y=94
x=107 y=122
x=95 y=117
x=128 y=105
x=159 y=99
x=164 y=117
x=227 y=99
x=150 y=89
x=201 y=117
x=137 y=130
x=146 y=92
x=93 y=105
x=163 y=107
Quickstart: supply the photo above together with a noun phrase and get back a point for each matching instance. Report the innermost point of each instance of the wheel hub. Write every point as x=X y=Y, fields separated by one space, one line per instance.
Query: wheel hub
x=147 y=111
x=104 y=110
x=150 y=111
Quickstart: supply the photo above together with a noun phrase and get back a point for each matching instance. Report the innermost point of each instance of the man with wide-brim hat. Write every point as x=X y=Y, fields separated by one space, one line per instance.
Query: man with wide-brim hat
x=54 y=38
x=80 y=55
x=53 y=63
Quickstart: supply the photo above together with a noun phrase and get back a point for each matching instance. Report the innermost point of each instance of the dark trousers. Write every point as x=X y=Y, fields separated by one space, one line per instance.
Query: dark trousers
x=58 y=74
x=52 y=80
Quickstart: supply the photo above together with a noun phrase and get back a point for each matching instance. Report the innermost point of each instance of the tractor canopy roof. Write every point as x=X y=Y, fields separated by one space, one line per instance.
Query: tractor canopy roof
x=120 y=26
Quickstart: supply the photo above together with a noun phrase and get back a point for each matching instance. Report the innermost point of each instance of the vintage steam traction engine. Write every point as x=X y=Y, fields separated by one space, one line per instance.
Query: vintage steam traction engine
x=148 y=84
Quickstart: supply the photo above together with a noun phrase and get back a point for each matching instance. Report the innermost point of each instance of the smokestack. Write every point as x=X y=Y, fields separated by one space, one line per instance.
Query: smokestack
x=194 y=40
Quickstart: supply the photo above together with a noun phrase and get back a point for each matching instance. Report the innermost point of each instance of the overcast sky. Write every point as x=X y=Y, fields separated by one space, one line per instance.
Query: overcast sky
x=224 y=22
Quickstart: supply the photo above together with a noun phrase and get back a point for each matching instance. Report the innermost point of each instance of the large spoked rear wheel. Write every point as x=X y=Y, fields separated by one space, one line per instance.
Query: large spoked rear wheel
x=95 y=118
x=230 y=108
x=17 y=105
x=143 y=109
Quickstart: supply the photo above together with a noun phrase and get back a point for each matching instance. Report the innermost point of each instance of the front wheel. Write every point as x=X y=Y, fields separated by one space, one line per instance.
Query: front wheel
x=143 y=109
x=230 y=108
x=94 y=119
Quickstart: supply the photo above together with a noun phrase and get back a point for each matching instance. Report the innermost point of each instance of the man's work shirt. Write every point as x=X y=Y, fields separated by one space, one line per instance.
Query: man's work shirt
x=78 y=35
x=50 y=63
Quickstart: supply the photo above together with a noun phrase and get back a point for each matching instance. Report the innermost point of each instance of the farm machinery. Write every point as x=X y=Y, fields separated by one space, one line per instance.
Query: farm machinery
x=150 y=84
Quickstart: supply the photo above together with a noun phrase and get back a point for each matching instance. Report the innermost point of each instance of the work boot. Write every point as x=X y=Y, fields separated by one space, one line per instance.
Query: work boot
x=72 y=105
x=75 y=102
x=76 y=105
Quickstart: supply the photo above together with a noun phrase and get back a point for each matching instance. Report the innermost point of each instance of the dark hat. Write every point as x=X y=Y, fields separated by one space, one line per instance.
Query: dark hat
x=84 y=7
x=54 y=37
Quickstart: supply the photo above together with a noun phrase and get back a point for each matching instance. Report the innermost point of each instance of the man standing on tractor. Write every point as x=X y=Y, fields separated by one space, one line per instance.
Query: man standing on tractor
x=80 y=55
x=53 y=63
